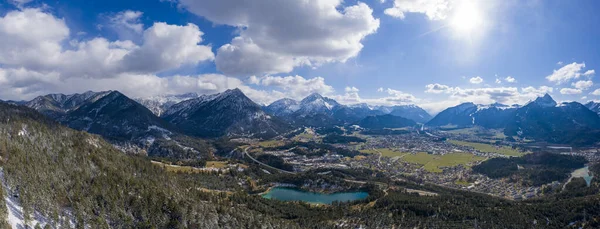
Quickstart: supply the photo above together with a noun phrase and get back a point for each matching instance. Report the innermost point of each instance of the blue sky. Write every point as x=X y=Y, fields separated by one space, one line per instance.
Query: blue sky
x=433 y=53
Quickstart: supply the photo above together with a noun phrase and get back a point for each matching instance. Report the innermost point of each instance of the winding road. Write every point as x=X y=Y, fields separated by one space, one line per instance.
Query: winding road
x=265 y=165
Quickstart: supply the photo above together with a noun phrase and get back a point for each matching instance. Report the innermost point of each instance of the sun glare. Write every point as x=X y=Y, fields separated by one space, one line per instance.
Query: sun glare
x=467 y=18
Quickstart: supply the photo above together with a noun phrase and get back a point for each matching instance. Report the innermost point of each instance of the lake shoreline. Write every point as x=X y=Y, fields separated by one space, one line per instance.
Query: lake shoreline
x=295 y=194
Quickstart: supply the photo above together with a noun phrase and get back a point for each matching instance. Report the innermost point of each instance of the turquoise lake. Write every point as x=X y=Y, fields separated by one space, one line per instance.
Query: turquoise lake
x=290 y=194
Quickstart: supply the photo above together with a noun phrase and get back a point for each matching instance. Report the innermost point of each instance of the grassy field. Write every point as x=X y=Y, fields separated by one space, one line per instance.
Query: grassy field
x=190 y=169
x=177 y=168
x=216 y=164
x=386 y=152
x=271 y=143
x=434 y=163
x=487 y=148
x=419 y=158
x=494 y=134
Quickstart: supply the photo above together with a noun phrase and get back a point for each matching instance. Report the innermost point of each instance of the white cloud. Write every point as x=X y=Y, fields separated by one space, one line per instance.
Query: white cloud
x=486 y=95
x=323 y=31
x=570 y=91
x=36 y=41
x=510 y=79
x=380 y=89
x=19 y=3
x=127 y=20
x=434 y=9
x=168 y=47
x=476 y=80
x=438 y=88
x=253 y=80
x=538 y=91
x=596 y=92
x=567 y=73
x=297 y=87
x=559 y=63
x=498 y=81
x=583 y=84
x=589 y=72
x=351 y=89
x=394 y=97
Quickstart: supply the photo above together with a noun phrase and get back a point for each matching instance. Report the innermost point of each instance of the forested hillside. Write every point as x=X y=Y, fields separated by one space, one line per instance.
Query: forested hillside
x=61 y=172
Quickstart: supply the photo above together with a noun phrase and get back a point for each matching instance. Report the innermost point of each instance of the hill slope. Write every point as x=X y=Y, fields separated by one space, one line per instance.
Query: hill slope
x=385 y=121
x=63 y=174
x=542 y=119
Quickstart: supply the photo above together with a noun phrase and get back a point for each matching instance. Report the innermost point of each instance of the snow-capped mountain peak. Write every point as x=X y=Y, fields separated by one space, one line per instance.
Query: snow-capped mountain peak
x=545 y=101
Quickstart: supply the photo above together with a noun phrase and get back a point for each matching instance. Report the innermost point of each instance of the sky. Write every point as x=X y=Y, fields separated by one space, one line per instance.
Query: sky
x=433 y=53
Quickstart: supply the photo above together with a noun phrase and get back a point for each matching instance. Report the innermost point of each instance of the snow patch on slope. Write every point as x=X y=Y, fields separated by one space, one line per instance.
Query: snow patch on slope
x=15 y=218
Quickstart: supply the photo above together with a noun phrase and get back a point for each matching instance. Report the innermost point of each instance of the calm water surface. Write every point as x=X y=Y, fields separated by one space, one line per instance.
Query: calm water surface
x=291 y=194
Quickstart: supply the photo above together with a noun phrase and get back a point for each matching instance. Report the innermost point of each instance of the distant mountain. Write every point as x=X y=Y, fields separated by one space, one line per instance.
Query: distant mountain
x=117 y=117
x=385 y=121
x=283 y=107
x=57 y=105
x=13 y=102
x=122 y=121
x=228 y=113
x=159 y=104
x=411 y=112
x=319 y=111
x=316 y=104
x=314 y=110
x=384 y=109
x=469 y=114
x=354 y=113
x=543 y=119
x=593 y=106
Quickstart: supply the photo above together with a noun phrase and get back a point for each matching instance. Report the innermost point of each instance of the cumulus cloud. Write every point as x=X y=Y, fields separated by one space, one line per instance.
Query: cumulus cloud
x=538 y=91
x=297 y=87
x=434 y=9
x=583 y=84
x=486 y=95
x=393 y=97
x=589 y=72
x=19 y=3
x=476 y=80
x=596 y=92
x=126 y=24
x=568 y=72
x=35 y=40
x=127 y=19
x=168 y=47
x=498 y=81
x=510 y=79
x=298 y=33
x=438 y=88
x=570 y=91
x=38 y=56
x=351 y=89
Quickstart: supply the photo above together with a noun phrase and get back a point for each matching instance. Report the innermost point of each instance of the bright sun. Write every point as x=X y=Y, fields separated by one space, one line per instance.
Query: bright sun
x=467 y=18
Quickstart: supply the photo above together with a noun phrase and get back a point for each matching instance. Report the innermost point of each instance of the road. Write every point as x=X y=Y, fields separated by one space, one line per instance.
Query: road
x=263 y=164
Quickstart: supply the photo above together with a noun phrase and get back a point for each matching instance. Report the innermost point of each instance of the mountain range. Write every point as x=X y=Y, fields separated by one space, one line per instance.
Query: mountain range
x=319 y=111
x=542 y=119
x=159 y=104
x=470 y=114
x=593 y=106
x=231 y=113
